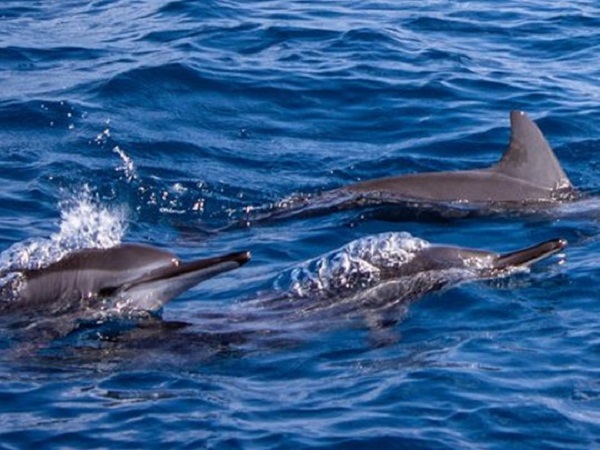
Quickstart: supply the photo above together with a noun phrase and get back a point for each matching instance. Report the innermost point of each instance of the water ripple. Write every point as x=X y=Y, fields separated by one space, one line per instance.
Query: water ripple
x=185 y=114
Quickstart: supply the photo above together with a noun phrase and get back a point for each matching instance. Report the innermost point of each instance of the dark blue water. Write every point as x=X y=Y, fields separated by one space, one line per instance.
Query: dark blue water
x=161 y=122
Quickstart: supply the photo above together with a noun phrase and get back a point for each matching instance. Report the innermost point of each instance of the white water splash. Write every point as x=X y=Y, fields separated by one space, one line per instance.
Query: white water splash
x=128 y=167
x=357 y=265
x=84 y=223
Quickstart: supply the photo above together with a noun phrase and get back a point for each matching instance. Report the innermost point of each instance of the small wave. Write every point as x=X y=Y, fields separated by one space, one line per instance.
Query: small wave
x=84 y=223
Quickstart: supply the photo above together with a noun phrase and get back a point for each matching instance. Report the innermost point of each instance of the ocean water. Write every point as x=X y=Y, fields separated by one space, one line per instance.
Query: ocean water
x=166 y=122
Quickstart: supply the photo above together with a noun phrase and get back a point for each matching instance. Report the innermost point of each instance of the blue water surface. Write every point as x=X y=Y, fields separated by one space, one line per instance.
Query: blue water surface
x=165 y=122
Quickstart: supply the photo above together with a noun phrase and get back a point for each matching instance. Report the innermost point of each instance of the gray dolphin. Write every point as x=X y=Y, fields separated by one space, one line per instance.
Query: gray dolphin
x=528 y=172
x=125 y=279
x=385 y=271
x=527 y=177
x=369 y=283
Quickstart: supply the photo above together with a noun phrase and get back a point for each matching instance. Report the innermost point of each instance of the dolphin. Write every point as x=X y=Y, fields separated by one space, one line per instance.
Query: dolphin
x=385 y=272
x=528 y=172
x=527 y=177
x=129 y=278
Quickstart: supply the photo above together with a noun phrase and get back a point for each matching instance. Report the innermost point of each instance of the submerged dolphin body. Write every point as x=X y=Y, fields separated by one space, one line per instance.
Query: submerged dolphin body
x=527 y=177
x=125 y=279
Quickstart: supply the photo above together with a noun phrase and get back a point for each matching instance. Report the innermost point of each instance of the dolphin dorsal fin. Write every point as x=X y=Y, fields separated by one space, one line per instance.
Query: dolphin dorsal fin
x=529 y=157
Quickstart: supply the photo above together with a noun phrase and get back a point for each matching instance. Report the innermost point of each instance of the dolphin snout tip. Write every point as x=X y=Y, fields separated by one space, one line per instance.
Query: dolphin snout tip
x=243 y=257
x=560 y=243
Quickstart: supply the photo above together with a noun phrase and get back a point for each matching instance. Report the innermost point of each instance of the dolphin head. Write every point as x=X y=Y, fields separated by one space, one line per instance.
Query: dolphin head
x=485 y=264
x=125 y=279
x=150 y=292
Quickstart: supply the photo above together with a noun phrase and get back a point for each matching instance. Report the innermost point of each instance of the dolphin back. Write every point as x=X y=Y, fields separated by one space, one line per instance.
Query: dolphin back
x=528 y=172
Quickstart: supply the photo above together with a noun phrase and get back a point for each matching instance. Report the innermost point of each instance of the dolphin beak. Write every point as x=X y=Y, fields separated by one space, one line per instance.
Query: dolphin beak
x=150 y=292
x=530 y=255
x=239 y=258
x=208 y=267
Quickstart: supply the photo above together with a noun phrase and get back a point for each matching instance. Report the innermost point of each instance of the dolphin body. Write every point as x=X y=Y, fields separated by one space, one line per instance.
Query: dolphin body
x=528 y=172
x=527 y=177
x=390 y=269
x=369 y=283
x=126 y=279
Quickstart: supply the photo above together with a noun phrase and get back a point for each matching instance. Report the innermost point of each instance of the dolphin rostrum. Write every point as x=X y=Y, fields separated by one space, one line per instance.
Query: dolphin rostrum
x=125 y=279
x=527 y=176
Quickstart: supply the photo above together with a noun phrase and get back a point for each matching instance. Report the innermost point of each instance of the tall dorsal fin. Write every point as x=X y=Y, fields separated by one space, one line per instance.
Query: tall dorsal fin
x=529 y=157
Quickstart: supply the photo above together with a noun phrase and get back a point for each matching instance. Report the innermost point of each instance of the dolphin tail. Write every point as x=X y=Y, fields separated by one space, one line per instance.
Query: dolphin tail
x=151 y=291
x=530 y=255
x=529 y=156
